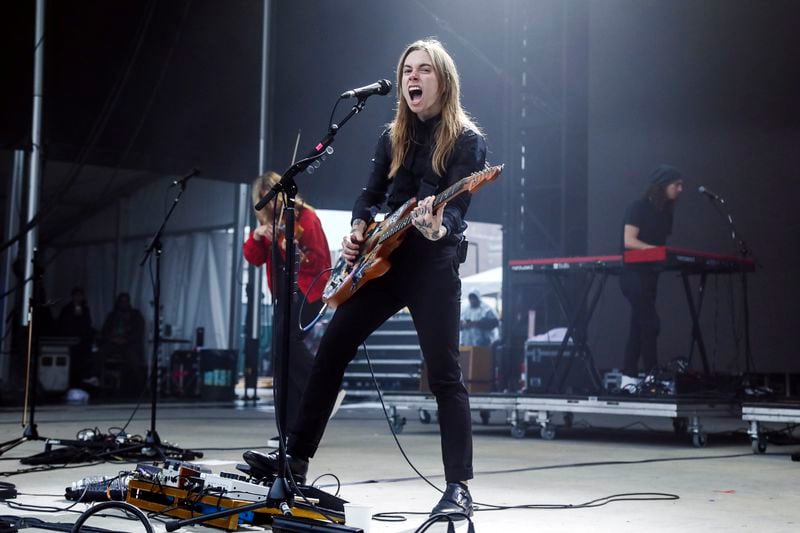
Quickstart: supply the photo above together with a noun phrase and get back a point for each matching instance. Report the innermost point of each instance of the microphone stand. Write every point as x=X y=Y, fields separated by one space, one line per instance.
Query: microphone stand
x=30 y=432
x=152 y=443
x=744 y=251
x=281 y=494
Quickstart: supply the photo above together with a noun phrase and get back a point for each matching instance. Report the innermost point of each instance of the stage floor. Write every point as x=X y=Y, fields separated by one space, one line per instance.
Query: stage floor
x=722 y=487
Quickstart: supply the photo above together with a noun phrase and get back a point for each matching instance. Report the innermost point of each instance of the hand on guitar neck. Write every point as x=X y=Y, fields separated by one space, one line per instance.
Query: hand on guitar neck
x=428 y=220
x=351 y=244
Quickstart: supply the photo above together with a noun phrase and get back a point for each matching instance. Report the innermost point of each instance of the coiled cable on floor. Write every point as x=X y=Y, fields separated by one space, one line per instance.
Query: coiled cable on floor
x=113 y=505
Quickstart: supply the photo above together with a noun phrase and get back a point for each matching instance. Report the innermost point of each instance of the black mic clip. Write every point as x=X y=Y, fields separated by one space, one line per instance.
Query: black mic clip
x=183 y=179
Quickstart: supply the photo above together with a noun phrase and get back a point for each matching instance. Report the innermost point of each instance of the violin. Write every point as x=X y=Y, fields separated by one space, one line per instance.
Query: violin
x=298 y=233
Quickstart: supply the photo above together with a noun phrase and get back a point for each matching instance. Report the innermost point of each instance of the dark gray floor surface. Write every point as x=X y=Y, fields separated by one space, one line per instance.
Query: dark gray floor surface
x=722 y=487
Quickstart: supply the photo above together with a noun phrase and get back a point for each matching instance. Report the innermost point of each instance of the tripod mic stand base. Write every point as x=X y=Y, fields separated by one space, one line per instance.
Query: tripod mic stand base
x=284 y=524
x=29 y=433
x=154 y=447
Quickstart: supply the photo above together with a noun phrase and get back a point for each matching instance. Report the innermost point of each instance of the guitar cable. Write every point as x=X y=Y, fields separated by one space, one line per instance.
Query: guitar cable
x=395 y=516
x=303 y=301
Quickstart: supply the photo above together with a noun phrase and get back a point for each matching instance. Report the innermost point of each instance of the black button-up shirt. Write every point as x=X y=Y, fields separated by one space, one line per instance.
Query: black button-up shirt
x=468 y=156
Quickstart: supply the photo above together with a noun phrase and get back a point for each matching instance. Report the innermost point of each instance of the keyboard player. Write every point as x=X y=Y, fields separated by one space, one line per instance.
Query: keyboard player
x=647 y=223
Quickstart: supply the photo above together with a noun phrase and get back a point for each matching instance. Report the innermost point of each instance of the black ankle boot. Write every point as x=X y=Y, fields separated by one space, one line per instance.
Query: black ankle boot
x=456 y=499
x=266 y=464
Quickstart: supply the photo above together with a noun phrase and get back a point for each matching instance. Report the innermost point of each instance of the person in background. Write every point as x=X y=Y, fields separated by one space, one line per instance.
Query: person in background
x=75 y=320
x=122 y=344
x=314 y=258
x=478 y=322
x=647 y=223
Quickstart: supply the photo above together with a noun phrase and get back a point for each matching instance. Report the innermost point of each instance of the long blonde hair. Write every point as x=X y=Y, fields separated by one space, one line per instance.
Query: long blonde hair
x=261 y=186
x=454 y=119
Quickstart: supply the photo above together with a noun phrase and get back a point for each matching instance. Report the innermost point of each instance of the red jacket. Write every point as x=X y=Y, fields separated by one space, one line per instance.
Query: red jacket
x=314 y=248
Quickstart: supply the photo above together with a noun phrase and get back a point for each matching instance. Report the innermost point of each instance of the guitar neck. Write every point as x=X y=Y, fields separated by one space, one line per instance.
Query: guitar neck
x=404 y=223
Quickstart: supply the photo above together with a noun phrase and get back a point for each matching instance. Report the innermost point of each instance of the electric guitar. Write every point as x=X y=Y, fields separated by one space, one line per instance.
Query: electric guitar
x=383 y=238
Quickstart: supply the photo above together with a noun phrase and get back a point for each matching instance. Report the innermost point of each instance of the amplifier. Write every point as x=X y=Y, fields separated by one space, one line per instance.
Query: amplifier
x=476 y=368
x=184 y=374
x=206 y=374
x=54 y=367
x=540 y=367
x=218 y=374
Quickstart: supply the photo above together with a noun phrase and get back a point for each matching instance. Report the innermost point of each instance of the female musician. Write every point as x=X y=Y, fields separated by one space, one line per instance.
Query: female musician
x=313 y=256
x=431 y=139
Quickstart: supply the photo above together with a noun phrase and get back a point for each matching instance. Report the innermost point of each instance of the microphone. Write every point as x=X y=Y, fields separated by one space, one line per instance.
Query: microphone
x=710 y=194
x=381 y=87
x=183 y=179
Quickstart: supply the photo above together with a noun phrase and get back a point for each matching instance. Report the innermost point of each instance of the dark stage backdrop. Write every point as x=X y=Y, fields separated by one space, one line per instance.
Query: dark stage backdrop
x=322 y=49
x=711 y=87
x=146 y=85
x=167 y=86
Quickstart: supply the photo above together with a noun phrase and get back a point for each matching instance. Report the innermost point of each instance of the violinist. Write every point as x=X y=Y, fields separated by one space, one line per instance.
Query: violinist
x=313 y=258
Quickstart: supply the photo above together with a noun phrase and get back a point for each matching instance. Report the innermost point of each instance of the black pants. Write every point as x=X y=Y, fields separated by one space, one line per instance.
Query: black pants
x=300 y=360
x=640 y=288
x=426 y=281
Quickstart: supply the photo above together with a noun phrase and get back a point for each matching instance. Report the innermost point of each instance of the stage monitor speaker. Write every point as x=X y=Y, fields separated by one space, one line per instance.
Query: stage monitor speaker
x=540 y=370
x=54 y=363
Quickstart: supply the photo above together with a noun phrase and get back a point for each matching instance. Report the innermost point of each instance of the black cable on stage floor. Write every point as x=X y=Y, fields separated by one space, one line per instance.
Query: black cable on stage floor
x=23 y=522
x=47 y=468
x=482 y=507
x=126 y=507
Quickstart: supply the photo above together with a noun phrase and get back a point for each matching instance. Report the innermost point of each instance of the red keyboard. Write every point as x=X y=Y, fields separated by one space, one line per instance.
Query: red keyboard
x=663 y=257
x=596 y=262
x=669 y=258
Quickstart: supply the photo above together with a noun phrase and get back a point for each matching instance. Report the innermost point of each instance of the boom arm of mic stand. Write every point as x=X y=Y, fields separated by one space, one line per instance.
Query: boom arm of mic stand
x=315 y=153
x=157 y=236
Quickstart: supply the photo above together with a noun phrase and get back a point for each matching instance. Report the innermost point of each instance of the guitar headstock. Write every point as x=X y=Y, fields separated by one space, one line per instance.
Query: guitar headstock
x=478 y=179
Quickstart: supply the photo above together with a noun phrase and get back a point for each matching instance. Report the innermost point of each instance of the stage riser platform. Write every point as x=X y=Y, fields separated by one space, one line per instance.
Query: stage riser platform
x=524 y=411
x=757 y=414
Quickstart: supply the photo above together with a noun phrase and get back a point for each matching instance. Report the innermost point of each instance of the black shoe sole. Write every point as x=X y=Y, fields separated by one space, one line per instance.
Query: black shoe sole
x=262 y=471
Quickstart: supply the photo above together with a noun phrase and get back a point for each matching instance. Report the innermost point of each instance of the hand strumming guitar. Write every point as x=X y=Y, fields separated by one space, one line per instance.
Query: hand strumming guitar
x=351 y=244
x=428 y=222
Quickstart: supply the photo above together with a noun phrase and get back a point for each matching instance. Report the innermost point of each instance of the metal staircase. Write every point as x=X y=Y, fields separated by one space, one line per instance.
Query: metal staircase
x=396 y=360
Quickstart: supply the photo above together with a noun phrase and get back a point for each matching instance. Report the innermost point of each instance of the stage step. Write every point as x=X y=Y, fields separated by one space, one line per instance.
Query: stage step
x=396 y=360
